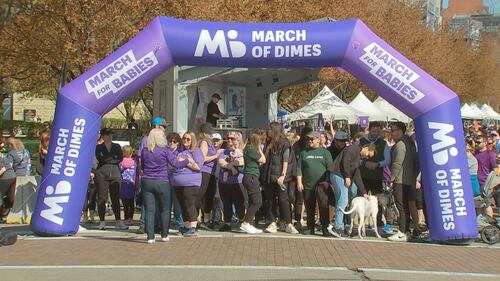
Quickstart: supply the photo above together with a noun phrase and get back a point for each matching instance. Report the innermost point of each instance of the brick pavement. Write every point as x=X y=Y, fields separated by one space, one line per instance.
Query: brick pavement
x=257 y=250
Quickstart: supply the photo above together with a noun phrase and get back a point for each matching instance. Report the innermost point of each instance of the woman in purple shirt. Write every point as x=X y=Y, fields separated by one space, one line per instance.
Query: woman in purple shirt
x=209 y=181
x=186 y=182
x=155 y=157
x=231 y=181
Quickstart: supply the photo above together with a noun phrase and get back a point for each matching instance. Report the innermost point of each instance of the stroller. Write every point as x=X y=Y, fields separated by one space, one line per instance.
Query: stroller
x=488 y=227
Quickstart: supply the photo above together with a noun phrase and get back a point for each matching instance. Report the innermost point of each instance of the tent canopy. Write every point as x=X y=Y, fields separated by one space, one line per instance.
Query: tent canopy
x=468 y=113
x=390 y=111
x=489 y=113
x=478 y=111
x=328 y=104
x=363 y=104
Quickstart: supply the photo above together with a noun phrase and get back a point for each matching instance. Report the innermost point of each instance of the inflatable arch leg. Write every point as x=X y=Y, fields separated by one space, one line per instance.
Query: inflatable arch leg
x=348 y=44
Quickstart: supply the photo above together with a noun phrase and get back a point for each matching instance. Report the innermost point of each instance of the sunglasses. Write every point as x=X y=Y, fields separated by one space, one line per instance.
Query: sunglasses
x=230 y=138
x=173 y=141
x=186 y=138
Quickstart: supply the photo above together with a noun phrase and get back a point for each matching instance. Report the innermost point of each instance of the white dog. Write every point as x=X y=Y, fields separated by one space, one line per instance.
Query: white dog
x=363 y=208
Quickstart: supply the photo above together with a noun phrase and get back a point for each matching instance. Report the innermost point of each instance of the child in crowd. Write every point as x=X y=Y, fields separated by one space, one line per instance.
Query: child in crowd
x=128 y=168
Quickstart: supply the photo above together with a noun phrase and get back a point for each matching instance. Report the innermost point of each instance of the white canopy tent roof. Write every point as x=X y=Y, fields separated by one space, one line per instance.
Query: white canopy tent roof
x=489 y=112
x=478 y=111
x=390 y=111
x=468 y=113
x=363 y=104
x=328 y=104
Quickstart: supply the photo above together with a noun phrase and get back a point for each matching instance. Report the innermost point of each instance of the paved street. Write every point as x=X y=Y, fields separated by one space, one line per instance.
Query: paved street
x=113 y=255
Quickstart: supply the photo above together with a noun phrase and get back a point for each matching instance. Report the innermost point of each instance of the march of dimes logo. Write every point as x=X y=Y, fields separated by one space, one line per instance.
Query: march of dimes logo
x=54 y=197
x=225 y=44
x=444 y=148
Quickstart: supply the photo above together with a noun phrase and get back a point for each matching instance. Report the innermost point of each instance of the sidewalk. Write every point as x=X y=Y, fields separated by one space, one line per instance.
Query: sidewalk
x=373 y=257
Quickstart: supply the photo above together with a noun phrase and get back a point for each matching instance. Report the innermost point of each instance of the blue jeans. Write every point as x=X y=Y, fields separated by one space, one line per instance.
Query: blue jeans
x=156 y=191
x=343 y=195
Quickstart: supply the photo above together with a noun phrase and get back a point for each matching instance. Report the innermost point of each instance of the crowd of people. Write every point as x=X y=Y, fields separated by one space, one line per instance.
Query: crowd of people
x=297 y=182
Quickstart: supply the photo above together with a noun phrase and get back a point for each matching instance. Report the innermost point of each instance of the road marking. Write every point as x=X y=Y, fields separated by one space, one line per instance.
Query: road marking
x=472 y=274
x=120 y=266
x=368 y=270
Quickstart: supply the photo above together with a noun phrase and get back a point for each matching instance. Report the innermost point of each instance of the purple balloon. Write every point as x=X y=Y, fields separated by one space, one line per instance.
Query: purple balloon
x=349 y=45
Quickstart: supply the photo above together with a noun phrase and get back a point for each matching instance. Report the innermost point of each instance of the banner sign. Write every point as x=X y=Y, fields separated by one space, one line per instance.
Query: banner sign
x=349 y=45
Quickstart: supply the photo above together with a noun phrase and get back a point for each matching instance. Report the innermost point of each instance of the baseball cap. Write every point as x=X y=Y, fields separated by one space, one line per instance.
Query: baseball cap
x=216 y=96
x=314 y=135
x=340 y=135
x=106 y=131
x=216 y=136
x=158 y=121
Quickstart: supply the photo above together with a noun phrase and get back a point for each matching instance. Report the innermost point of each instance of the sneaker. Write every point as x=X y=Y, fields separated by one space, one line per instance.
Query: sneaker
x=225 y=228
x=334 y=232
x=192 y=232
x=140 y=230
x=165 y=239
x=151 y=241
x=387 y=228
x=248 y=228
x=326 y=232
x=182 y=230
x=256 y=230
x=398 y=237
x=81 y=228
x=102 y=225
x=120 y=225
x=272 y=228
x=204 y=226
x=85 y=218
x=291 y=229
x=298 y=226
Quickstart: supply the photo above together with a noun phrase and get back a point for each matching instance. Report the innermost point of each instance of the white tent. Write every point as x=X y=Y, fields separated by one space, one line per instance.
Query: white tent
x=327 y=103
x=468 y=113
x=477 y=111
x=363 y=104
x=390 y=111
x=489 y=112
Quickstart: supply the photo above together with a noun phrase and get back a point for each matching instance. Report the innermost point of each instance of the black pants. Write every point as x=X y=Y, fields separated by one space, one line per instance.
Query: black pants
x=91 y=198
x=103 y=187
x=277 y=197
x=252 y=186
x=311 y=196
x=206 y=193
x=376 y=187
x=188 y=196
x=297 y=199
x=232 y=194
x=7 y=190
x=128 y=208
x=402 y=195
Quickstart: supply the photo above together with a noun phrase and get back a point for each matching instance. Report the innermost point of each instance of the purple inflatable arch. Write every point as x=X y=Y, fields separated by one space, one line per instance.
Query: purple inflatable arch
x=349 y=44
